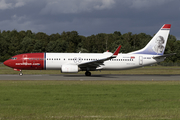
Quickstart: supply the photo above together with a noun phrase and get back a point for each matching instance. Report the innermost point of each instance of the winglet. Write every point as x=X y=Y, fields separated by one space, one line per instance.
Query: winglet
x=117 y=51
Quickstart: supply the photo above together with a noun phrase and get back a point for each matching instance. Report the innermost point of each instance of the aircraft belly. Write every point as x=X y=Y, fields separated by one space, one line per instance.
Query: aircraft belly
x=119 y=65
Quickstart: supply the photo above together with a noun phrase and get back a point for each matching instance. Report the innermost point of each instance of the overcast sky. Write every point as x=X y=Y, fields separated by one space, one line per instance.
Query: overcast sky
x=90 y=17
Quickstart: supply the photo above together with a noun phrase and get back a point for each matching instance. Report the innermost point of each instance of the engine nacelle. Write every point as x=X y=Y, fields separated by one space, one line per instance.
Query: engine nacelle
x=69 y=68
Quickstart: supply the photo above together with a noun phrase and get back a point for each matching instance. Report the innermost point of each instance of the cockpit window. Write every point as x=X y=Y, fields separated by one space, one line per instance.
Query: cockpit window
x=13 y=58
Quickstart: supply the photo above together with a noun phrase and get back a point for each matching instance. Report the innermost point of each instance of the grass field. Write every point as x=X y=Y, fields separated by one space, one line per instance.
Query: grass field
x=89 y=100
x=143 y=70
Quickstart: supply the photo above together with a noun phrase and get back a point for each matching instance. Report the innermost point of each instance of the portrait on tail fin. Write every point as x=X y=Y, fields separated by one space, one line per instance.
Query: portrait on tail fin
x=157 y=44
x=159 y=47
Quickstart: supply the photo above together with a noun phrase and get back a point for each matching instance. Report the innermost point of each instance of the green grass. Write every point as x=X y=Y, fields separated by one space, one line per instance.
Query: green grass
x=89 y=100
x=143 y=70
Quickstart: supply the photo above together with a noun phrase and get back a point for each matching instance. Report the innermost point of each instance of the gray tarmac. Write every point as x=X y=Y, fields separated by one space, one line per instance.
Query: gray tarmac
x=93 y=77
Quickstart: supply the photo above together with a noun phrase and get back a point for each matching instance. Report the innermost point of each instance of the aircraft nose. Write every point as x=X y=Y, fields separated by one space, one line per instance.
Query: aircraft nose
x=7 y=63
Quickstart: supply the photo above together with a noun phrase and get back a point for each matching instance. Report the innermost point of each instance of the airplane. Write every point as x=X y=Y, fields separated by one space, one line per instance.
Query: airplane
x=152 y=53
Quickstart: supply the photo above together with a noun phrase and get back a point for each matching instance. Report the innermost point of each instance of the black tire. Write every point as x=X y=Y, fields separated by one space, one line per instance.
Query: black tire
x=87 y=73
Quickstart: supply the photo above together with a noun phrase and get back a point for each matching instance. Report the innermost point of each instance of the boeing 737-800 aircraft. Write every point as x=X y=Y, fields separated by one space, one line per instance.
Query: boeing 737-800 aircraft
x=152 y=53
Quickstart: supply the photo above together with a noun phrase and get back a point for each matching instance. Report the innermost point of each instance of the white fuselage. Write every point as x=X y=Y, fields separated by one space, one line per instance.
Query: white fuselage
x=54 y=61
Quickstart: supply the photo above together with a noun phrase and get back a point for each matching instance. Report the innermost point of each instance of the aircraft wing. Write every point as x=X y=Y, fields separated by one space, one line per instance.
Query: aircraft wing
x=165 y=55
x=97 y=63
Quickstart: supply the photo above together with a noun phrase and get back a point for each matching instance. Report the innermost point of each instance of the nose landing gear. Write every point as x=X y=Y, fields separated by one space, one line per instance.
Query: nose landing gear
x=19 y=71
x=21 y=74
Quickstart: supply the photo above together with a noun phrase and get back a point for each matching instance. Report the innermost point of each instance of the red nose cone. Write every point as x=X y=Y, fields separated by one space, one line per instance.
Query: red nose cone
x=7 y=63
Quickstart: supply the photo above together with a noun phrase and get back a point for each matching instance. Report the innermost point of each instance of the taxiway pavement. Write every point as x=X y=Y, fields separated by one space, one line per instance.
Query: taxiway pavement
x=93 y=77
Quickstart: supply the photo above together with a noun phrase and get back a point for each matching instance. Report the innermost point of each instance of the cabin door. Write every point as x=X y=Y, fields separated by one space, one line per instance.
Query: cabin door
x=25 y=59
x=140 y=60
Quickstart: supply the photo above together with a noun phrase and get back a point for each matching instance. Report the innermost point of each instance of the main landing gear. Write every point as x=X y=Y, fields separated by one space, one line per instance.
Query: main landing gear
x=87 y=73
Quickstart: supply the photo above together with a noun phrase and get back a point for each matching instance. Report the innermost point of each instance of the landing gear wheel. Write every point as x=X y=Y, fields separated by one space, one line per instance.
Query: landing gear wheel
x=21 y=74
x=87 y=73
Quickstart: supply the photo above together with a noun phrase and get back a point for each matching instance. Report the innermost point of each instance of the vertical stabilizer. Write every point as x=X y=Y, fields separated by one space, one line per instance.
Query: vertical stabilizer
x=157 y=44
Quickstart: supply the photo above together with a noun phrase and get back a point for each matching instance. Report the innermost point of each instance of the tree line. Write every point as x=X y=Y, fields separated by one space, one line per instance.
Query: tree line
x=14 y=42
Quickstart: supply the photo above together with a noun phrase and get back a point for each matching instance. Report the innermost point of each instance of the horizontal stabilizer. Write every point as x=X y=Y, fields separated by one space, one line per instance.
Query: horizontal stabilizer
x=165 y=55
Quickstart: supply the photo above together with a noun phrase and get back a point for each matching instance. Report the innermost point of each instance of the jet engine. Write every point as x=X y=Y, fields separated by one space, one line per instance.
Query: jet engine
x=69 y=68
